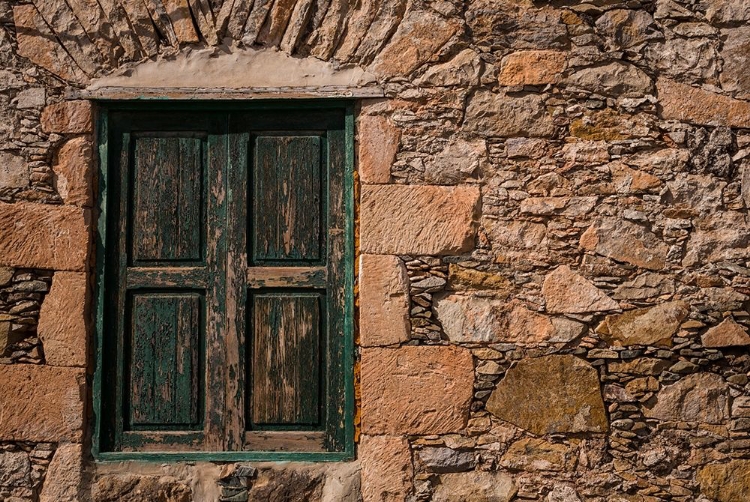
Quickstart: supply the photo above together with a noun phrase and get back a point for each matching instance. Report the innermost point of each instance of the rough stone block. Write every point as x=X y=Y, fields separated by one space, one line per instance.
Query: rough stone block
x=568 y=293
x=416 y=390
x=726 y=334
x=470 y=319
x=74 y=170
x=418 y=37
x=551 y=394
x=532 y=68
x=64 y=475
x=493 y=114
x=437 y=220
x=63 y=320
x=68 y=117
x=700 y=397
x=475 y=486
x=729 y=482
x=386 y=468
x=41 y=403
x=646 y=326
x=378 y=144
x=384 y=301
x=37 y=43
x=697 y=106
x=44 y=236
x=13 y=171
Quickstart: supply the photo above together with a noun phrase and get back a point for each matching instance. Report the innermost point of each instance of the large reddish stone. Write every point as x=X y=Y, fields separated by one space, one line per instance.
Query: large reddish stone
x=418 y=37
x=74 y=172
x=416 y=389
x=646 y=326
x=68 y=117
x=378 y=144
x=434 y=220
x=568 y=293
x=697 y=106
x=384 y=301
x=41 y=403
x=550 y=394
x=37 y=43
x=63 y=320
x=386 y=468
x=726 y=334
x=532 y=68
x=624 y=241
x=44 y=236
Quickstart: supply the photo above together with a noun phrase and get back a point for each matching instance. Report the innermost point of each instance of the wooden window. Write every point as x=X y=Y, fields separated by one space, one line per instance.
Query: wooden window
x=225 y=282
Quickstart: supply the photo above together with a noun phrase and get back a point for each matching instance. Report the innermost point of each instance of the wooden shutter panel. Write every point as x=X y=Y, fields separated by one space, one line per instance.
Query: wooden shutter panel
x=294 y=260
x=167 y=279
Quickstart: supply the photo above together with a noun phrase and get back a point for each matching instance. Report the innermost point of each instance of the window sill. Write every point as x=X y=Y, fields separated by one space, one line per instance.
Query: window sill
x=225 y=456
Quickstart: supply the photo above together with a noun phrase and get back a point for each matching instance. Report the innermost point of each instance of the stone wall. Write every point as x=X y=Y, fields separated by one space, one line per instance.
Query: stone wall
x=554 y=276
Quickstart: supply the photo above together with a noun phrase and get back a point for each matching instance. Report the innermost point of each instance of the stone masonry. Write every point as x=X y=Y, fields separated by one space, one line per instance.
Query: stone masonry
x=554 y=268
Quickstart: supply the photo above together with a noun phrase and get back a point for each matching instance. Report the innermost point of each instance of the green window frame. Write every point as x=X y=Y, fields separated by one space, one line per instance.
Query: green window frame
x=225 y=273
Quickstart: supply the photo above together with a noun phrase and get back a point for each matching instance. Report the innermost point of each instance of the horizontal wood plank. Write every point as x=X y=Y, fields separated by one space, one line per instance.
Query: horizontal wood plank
x=157 y=441
x=308 y=441
x=286 y=277
x=167 y=277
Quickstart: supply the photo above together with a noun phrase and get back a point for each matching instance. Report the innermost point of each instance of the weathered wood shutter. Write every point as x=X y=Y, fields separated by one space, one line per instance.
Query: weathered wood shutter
x=225 y=285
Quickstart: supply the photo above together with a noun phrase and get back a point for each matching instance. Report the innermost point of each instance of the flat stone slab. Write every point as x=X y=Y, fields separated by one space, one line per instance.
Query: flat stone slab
x=431 y=220
x=550 y=394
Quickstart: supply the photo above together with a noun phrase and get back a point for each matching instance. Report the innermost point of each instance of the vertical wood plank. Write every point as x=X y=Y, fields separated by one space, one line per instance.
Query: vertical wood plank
x=286 y=359
x=167 y=214
x=164 y=359
x=287 y=198
x=236 y=297
x=217 y=372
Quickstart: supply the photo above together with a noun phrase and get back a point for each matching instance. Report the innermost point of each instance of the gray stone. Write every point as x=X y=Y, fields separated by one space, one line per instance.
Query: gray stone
x=460 y=160
x=736 y=54
x=34 y=97
x=477 y=486
x=15 y=469
x=627 y=28
x=13 y=171
x=681 y=58
x=463 y=70
x=443 y=460
x=470 y=319
x=700 y=397
x=500 y=114
x=728 y=11
x=563 y=493
x=614 y=79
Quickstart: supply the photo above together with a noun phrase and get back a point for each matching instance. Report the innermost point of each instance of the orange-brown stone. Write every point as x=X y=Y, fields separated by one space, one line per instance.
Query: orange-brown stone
x=569 y=293
x=386 y=468
x=62 y=320
x=74 y=172
x=41 y=403
x=37 y=43
x=697 y=106
x=68 y=117
x=416 y=389
x=726 y=334
x=532 y=68
x=378 y=144
x=384 y=301
x=418 y=37
x=550 y=394
x=435 y=220
x=62 y=482
x=44 y=236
